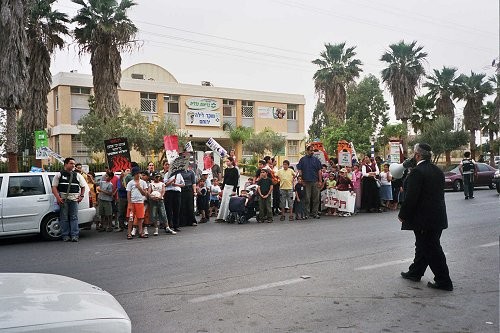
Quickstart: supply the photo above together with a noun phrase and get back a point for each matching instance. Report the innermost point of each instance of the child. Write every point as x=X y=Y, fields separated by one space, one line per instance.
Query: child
x=157 y=207
x=385 y=189
x=356 y=185
x=330 y=184
x=201 y=200
x=344 y=184
x=264 y=189
x=105 y=190
x=136 y=195
x=147 y=212
x=214 y=197
x=300 y=194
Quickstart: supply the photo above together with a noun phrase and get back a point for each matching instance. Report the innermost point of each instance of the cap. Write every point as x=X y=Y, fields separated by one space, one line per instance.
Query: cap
x=156 y=174
x=205 y=172
x=343 y=170
x=135 y=170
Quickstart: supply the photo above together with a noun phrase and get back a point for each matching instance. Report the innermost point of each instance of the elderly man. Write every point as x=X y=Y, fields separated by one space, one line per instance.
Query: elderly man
x=424 y=212
x=309 y=168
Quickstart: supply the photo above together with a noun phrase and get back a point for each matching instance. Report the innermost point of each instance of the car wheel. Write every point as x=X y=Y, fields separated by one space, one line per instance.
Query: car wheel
x=492 y=186
x=50 y=229
x=498 y=187
x=457 y=185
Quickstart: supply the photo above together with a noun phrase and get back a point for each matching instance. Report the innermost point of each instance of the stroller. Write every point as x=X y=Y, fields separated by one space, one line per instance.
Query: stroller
x=238 y=211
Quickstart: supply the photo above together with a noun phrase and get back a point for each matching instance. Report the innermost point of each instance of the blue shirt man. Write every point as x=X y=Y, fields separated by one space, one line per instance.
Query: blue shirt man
x=310 y=170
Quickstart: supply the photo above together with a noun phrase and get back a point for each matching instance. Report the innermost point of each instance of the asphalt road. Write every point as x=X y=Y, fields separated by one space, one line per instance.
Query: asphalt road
x=329 y=275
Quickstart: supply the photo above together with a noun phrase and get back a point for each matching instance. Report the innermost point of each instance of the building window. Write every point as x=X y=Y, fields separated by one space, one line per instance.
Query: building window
x=247 y=109
x=138 y=76
x=228 y=108
x=291 y=111
x=57 y=102
x=171 y=103
x=293 y=147
x=80 y=90
x=148 y=102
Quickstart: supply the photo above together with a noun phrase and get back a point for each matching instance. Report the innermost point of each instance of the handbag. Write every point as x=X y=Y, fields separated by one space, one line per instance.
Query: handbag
x=378 y=183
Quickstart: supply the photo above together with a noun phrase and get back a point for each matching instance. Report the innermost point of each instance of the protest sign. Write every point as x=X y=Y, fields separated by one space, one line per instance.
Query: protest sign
x=117 y=154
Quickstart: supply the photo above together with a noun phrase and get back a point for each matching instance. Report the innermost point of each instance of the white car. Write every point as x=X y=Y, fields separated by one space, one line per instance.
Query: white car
x=35 y=302
x=28 y=206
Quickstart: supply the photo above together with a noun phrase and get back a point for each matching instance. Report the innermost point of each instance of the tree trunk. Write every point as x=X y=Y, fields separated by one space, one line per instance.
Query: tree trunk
x=473 y=144
x=11 y=139
x=448 y=157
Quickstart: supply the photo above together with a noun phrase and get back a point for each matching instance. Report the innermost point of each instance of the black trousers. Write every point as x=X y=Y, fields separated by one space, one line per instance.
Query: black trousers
x=428 y=252
x=173 y=208
x=187 y=207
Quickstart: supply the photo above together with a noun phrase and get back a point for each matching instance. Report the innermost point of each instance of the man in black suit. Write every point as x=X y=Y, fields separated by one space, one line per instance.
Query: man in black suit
x=424 y=212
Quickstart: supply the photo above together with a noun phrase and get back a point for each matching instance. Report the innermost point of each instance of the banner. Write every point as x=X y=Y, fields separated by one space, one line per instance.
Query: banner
x=203 y=118
x=117 y=154
x=171 y=145
x=344 y=201
x=41 y=140
x=188 y=147
x=215 y=146
x=270 y=112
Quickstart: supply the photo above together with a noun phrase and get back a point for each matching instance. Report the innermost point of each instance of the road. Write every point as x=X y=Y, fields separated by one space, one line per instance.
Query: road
x=329 y=275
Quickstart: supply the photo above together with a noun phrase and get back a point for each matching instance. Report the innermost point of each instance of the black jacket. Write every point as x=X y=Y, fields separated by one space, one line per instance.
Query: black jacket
x=424 y=207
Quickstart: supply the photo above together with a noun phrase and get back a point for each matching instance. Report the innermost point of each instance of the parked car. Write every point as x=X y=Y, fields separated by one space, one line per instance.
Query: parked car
x=27 y=205
x=35 y=302
x=496 y=179
x=453 y=178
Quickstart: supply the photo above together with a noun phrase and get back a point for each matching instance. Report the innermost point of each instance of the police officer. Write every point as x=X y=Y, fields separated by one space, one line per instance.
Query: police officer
x=68 y=187
x=468 y=169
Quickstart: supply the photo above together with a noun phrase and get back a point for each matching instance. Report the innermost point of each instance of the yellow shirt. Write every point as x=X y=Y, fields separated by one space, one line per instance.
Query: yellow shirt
x=286 y=178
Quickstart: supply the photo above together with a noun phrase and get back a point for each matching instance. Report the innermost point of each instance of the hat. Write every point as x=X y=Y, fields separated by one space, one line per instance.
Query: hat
x=343 y=170
x=205 y=172
x=135 y=170
x=156 y=174
x=425 y=146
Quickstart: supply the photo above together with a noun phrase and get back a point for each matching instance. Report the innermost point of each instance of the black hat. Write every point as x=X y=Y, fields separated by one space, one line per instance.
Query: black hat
x=135 y=170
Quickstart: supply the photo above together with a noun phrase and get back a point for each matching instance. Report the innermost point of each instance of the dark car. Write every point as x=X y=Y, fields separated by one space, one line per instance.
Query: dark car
x=453 y=178
x=496 y=179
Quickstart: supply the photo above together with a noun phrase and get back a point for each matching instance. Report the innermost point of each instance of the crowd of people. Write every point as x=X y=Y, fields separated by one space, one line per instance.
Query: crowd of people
x=144 y=201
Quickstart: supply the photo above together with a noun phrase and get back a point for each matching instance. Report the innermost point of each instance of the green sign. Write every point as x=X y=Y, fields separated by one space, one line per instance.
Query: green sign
x=41 y=139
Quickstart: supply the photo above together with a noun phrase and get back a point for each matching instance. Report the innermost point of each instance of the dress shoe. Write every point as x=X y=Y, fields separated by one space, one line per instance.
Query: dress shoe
x=434 y=285
x=408 y=276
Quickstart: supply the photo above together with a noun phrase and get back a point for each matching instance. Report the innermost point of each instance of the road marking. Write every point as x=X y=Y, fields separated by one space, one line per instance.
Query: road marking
x=384 y=264
x=245 y=290
x=489 y=244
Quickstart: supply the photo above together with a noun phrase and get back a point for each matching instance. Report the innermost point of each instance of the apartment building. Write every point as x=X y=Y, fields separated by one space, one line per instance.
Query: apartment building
x=202 y=111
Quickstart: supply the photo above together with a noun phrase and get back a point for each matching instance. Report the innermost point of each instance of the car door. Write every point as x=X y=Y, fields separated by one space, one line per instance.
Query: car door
x=26 y=202
x=483 y=176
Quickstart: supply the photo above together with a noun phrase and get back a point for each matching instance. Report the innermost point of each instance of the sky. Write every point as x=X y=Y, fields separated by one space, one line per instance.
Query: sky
x=268 y=45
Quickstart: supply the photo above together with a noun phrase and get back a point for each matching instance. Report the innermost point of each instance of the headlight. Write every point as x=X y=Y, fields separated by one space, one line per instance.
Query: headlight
x=447 y=180
x=497 y=174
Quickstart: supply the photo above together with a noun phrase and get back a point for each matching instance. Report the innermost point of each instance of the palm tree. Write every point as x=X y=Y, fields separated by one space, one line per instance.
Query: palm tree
x=13 y=71
x=337 y=70
x=402 y=77
x=473 y=89
x=45 y=28
x=104 y=30
x=490 y=123
x=442 y=86
x=422 y=113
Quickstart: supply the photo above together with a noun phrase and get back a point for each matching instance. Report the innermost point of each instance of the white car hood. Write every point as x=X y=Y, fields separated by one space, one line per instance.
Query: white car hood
x=50 y=301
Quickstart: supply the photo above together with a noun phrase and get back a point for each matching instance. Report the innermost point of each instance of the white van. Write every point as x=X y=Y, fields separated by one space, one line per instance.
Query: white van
x=28 y=206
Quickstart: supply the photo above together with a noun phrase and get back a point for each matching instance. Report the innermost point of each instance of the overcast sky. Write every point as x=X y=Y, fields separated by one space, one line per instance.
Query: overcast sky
x=269 y=44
